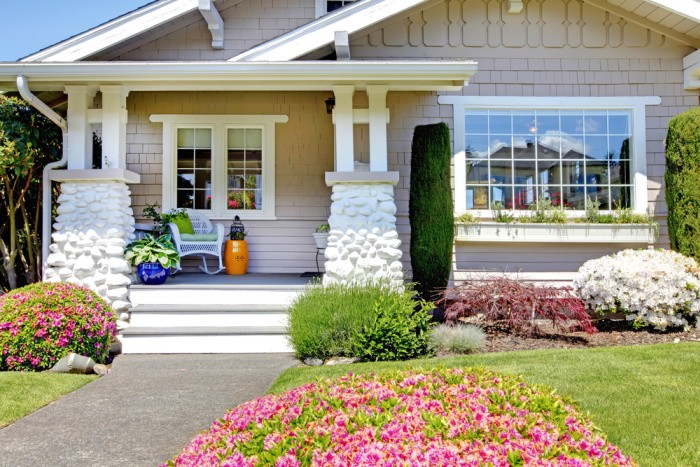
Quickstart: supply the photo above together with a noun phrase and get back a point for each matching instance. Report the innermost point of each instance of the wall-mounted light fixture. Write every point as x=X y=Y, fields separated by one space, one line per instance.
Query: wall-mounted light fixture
x=330 y=104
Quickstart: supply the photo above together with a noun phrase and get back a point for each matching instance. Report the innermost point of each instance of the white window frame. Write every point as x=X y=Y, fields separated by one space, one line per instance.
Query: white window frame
x=636 y=105
x=220 y=125
x=322 y=7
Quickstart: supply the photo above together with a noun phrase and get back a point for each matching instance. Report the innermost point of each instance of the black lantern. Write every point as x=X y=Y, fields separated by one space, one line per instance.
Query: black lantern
x=237 y=231
x=330 y=104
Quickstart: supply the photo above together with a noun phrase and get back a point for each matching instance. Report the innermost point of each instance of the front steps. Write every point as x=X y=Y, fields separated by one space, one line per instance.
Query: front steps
x=185 y=316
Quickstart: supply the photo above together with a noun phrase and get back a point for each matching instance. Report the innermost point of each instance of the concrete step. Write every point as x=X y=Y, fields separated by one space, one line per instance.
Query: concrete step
x=205 y=339
x=152 y=316
x=213 y=295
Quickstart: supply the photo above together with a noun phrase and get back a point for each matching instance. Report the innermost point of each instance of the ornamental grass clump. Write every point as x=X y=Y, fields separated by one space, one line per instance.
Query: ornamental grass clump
x=441 y=417
x=43 y=322
x=517 y=306
x=459 y=339
x=659 y=288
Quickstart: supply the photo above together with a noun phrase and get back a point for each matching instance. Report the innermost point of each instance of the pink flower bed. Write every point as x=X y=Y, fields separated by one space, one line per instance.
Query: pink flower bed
x=446 y=417
x=42 y=322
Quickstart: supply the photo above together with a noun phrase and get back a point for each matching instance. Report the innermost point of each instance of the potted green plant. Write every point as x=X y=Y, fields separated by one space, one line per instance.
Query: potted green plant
x=321 y=236
x=153 y=258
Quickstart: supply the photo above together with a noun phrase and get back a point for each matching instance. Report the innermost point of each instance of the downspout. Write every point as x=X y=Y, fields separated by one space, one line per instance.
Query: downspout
x=49 y=113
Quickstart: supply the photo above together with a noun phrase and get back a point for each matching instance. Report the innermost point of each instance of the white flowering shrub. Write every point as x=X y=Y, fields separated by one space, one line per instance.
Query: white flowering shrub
x=658 y=288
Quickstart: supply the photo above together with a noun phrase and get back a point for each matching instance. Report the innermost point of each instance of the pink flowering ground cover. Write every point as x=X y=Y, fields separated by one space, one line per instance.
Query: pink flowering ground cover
x=442 y=417
x=41 y=323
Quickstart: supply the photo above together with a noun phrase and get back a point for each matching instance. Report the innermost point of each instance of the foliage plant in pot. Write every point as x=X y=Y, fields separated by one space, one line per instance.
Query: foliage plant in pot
x=153 y=258
x=321 y=236
x=236 y=249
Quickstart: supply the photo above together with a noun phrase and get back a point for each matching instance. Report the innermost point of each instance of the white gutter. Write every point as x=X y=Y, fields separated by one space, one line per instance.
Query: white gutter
x=45 y=110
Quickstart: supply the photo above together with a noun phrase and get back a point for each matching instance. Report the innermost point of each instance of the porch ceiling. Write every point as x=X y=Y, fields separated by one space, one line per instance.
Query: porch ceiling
x=259 y=76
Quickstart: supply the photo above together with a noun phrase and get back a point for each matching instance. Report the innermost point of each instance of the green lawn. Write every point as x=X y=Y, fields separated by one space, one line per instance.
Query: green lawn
x=21 y=393
x=646 y=398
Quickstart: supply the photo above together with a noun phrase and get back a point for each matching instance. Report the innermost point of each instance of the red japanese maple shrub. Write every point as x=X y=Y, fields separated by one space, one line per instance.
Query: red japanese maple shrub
x=517 y=305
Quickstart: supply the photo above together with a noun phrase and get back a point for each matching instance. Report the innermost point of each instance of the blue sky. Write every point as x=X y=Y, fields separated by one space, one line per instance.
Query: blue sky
x=31 y=25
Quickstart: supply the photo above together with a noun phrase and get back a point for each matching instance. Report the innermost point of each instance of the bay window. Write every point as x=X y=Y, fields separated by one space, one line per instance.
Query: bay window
x=511 y=152
x=222 y=164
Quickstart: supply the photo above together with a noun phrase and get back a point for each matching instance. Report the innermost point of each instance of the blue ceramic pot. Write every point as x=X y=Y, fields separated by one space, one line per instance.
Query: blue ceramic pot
x=152 y=273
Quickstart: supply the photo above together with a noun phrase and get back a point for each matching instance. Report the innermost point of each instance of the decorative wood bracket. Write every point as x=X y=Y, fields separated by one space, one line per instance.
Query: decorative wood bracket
x=214 y=21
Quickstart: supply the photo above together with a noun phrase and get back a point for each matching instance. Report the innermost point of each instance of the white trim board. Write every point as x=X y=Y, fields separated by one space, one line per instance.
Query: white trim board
x=321 y=32
x=636 y=104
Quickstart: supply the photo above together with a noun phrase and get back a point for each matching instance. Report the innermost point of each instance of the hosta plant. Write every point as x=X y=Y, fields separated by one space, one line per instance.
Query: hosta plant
x=153 y=250
x=658 y=288
x=517 y=305
x=41 y=323
x=445 y=417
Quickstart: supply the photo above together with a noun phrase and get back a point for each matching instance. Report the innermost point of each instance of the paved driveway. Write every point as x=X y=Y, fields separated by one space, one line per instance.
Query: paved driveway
x=142 y=413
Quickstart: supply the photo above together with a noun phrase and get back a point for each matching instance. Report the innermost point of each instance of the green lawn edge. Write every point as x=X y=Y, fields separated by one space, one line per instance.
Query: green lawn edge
x=645 y=398
x=22 y=393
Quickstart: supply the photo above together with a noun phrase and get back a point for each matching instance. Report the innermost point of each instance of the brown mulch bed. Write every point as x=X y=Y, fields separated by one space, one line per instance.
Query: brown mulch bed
x=610 y=333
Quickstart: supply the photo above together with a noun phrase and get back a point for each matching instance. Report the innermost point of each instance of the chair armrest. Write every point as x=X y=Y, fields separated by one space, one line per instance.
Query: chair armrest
x=220 y=233
x=175 y=232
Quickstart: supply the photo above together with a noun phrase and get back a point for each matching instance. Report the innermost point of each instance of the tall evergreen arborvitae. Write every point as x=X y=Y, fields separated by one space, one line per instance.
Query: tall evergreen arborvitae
x=683 y=182
x=431 y=209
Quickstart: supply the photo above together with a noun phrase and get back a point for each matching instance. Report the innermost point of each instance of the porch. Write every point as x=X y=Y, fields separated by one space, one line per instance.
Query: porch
x=198 y=313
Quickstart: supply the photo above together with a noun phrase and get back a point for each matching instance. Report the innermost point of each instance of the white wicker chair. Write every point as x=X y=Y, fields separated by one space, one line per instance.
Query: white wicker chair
x=201 y=226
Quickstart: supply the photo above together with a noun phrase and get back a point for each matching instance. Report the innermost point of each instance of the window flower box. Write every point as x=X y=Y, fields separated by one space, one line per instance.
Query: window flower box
x=555 y=233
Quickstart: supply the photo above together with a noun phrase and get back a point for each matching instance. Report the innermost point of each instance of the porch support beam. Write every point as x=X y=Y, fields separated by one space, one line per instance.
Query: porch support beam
x=343 y=117
x=79 y=138
x=378 y=156
x=114 y=116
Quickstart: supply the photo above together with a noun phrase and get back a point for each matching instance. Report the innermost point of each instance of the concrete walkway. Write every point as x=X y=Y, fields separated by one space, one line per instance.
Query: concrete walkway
x=141 y=414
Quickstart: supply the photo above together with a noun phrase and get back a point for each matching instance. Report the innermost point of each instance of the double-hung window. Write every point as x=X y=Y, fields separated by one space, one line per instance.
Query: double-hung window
x=221 y=164
x=327 y=6
x=511 y=152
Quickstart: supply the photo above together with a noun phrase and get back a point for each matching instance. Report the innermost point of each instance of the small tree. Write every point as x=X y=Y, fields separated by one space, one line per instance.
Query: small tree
x=431 y=209
x=28 y=141
x=683 y=182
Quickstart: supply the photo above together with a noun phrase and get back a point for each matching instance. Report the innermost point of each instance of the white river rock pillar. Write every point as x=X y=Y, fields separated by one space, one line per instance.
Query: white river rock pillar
x=94 y=224
x=363 y=244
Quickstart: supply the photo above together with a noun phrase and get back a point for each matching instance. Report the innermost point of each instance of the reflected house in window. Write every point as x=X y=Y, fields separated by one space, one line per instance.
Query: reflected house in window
x=532 y=158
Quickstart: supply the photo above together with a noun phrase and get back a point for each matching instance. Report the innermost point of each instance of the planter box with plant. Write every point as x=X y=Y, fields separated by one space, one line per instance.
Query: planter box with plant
x=321 y=236
x=153 y=258
x=236 y=249
x=551 y=224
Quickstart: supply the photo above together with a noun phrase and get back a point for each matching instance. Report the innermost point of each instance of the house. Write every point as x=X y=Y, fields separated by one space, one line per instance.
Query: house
x=306 y=109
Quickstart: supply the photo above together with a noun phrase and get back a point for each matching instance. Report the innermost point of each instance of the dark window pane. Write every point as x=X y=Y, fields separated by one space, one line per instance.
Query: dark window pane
x=254 y=156
x=500 y=147
x=185 y=179
x=202 y=179
x=476 y=122
x=501 y=172
x=185 y=198
x=201 y=199
x=185 y=158
x=477 y=197
x=596 y=173
x=236 y=157
x=202 y=158
x=477 y=171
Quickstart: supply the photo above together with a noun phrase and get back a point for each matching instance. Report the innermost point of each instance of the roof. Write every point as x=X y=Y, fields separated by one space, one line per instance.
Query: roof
x=676 y=19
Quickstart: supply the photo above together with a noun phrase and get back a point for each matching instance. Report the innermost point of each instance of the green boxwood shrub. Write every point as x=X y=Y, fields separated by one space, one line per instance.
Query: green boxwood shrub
x=43 y=322
x=371 y=321
x=683 y=182
x=431 y=209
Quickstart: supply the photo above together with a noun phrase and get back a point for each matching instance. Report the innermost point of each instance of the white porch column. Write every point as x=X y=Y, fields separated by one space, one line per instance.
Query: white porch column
x=79 y=138
x=344 y=120
x=363 y=244
x=378 y=158
x=114 y=117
